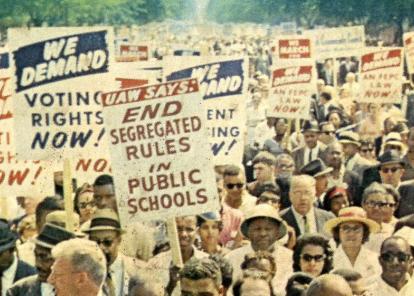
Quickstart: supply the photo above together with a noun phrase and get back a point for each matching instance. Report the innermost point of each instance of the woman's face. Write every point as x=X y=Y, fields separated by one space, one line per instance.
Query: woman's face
x=209 y=231
x=312 y=260
x=335 y=119
x=86 y=206
x=351 y=234
x=338 y=203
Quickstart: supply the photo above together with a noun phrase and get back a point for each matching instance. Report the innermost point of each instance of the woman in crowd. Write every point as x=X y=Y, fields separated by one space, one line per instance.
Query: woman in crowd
x=312 y=255
x=261 y=261
x=336 y=198
x=84 y=203
x=209 y=227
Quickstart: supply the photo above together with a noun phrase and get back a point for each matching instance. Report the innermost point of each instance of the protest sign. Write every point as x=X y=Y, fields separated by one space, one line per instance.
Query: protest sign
x=17 y=177
x=409 y=51
x=381 y=75
x=223 y=86
x=293 y=47
x=132 y=53
x=291 y=89
x=338 y=42
x=159 y=150
x=59 y=74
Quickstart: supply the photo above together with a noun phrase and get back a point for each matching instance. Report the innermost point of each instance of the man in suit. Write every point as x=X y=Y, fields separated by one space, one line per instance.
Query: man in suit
x=11 y=268
x=36 y=285
x=313 y=149
x=302 y=215
x=350 y=144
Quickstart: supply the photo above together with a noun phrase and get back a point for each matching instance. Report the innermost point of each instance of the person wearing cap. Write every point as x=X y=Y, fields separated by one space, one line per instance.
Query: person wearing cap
x=396 y=260
x=313 y=149
x=393 y=141
x=105 y=229
x=350 y=145
x=36 y=285
x=302 y=215
x=336 y=198
x=350 y=230
x=12 y=269
x=209 y=226
x=263 y=227
x=318 y=169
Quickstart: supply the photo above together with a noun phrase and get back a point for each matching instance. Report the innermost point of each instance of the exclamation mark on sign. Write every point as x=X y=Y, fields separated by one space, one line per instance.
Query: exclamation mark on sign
x=231 y=146
x=100 y=137
x=39 y=170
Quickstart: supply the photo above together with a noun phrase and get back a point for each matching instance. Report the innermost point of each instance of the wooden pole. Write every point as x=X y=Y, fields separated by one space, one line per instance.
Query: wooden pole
x=175 y=246
x=67 y=192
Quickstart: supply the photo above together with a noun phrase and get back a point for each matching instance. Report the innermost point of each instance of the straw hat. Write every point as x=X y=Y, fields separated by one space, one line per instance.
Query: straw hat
x=349 y=137
x=352 y=214
x=105 y=219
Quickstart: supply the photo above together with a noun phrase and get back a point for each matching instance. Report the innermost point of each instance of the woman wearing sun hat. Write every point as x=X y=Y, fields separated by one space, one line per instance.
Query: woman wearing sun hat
x=350 y=230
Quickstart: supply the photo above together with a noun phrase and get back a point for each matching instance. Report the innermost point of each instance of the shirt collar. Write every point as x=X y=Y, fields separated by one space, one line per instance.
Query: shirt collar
x=11 y=271
x=299 y=217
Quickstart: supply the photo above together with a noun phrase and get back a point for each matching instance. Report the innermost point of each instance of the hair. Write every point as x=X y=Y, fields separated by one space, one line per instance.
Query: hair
x=393 y=192
x=202 y=268
x=268 y=186
x=349 y=275
x=257 y=256
x=231 y=170
x=81 y=190
x=103 y=180
x=302 y=179
x=255 y=276
x=328 y=200
x=365 y=237
x=149 y=285
x=201 y=221
x=326 y=96
x=318 y=286
x=84 y=256
x=375 y=187
x=317 y=240
x=264 y=157
x=226 y=269
x=50 y=203
x=301 y=278
x=282 y=156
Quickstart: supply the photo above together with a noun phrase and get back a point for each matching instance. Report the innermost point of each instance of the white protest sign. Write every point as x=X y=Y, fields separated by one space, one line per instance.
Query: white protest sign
x=223 y=86
x=294 y=47
x=17 y=177
x=409 y=50
x=381 y=75
x=292 y=86
x=338 y=42
x=59 y=74
x=159 y=149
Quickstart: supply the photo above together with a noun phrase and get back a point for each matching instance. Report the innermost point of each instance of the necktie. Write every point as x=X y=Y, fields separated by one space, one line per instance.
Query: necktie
x=109 y=285
x=310 y=155
x=306 y=225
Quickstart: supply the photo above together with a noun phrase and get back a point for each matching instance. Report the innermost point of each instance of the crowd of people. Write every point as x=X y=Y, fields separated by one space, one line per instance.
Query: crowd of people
x=318 y=207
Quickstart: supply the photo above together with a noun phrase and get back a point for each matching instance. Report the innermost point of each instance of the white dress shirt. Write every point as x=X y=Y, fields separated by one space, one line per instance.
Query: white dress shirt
x=117 y=275
x=383 y=289
x=311 y=219
x=315 y=152
x=47 y=289
x=8 y=276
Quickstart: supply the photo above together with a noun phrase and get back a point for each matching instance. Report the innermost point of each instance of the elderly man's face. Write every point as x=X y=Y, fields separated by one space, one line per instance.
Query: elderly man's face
x=262 y=233
x=302 y=196
x=202 y=287
x=395 y=260
x=391 y=174
x=61 y=278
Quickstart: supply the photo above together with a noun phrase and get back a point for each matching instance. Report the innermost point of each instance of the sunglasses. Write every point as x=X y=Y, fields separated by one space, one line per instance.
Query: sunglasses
x=401 y=257
x=231 y=186
x=349 y=229
x=379 y=204
x=392 y=170
x=366 y=150
x=105 y=242
x=317 y=258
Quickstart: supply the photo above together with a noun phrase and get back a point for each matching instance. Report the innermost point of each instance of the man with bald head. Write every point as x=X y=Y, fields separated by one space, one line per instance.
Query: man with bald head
x=329 y=285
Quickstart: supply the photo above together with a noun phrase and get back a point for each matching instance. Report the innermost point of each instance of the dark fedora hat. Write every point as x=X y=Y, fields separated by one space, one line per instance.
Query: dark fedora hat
x=311 y=126
x=389 y=157
x=316 y=168
x=7 y=237
x=51 y=235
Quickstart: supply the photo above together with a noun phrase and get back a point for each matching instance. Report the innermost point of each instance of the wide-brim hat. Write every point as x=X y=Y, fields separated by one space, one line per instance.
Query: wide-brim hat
x=316 y=168
x=349 y=137
x=263 y=211
x=311 y=126
x=7 y=237
x=393 y=138
x=390 y=157
x=352 y=214
x=51 y=235
x=105 y=219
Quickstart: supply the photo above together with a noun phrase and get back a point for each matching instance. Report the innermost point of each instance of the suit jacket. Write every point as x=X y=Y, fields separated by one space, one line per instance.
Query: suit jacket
x=406 y=206
x=28 y=286
x=321 y=216
x=299 y=155
x=24 y=270
x=354 y=187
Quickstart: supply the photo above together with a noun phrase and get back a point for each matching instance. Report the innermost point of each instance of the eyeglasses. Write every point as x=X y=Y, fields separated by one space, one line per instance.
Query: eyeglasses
x=269 y=200
x=393 y=147
x=392 y=170
x=389 y=257
x=380 y=204
x=84 y=205
x=366 y=150
x=317 y=258
x=105 y=242
x=231 y=185
x=349 y=229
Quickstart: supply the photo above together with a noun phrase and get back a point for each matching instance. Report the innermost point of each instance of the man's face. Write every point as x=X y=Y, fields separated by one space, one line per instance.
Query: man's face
x=302 y=196
x=61 y=278
x=6 y=259
x=391 y=173
x=327 y=134
x=262 y=233
x=104 y=196
x=187 y=229
x=263 y=172
x=280 y=127
x=203 y=287
x=395 y=260
x=108 y=241
x=349 y=149
x=321 y=184
x=284 y=168
x=311 y=139
x=234 y=185
x=335 y=155
x=44 y=262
